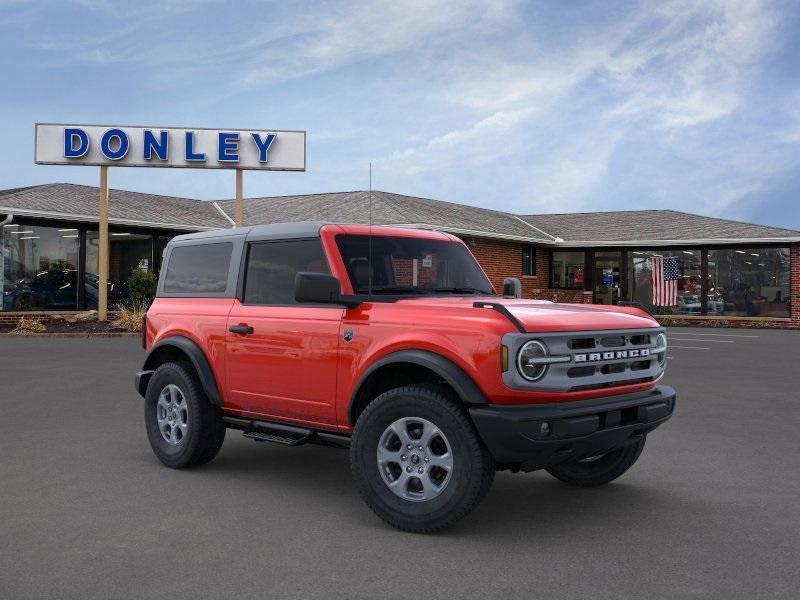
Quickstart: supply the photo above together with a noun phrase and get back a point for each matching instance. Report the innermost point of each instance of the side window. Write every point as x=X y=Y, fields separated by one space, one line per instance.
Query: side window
x=272 y=267
x=198 y=269
x=529 y=260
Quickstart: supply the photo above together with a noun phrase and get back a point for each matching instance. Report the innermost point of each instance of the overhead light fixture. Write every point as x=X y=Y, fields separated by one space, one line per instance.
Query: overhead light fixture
x=30 y=237
x=74 y=235
x=120 y=234
x=12 y=225
x=68 y=230
x=688 y=252
x=21 y=232
x=753 y=254
x=747 y=262
x=741 y=252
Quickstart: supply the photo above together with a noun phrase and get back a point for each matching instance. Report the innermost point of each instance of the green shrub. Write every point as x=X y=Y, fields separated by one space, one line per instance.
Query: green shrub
x=141 y=288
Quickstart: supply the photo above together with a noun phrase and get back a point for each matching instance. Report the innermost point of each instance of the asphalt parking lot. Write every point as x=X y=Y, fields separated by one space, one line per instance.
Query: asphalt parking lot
x=711 y=509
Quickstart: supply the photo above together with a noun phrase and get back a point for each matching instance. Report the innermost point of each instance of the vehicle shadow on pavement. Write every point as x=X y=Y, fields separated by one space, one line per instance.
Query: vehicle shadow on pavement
x=522 y=502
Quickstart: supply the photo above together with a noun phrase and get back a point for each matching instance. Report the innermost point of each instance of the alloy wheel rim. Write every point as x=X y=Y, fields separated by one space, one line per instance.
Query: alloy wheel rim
x=415 y=459
x=172 y=415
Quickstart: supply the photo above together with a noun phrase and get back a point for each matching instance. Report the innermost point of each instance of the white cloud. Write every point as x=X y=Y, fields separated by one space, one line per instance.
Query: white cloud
x=335 y=36
x=469 y=146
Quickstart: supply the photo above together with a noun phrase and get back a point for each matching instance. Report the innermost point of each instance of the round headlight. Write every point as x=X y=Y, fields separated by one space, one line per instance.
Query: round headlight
x=528 y=360
x=661 y=344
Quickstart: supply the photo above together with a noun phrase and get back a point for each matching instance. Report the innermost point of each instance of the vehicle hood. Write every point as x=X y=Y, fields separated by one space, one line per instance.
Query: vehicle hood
x=543 y=316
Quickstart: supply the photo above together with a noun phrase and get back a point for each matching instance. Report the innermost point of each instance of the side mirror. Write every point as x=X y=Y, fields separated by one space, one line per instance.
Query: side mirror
x=512 y=288
x=320 y=288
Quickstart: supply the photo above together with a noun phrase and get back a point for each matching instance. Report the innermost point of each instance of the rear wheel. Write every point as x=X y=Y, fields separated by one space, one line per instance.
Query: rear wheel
x=601 y=469
x=417 y=460
x=184 y=428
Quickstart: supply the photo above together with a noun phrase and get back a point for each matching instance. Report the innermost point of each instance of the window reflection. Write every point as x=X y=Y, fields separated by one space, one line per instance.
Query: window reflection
x=39 y=268
x=128 y=251
x=746 y=282
x=568 y=270
x=663 y=295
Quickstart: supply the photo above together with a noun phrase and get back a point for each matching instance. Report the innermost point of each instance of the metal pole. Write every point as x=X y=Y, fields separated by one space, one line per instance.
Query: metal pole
x=239 y=210
x=102 y=256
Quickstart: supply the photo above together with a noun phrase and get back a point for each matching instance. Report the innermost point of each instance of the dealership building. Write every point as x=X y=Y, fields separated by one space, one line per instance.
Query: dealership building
x=724 y=271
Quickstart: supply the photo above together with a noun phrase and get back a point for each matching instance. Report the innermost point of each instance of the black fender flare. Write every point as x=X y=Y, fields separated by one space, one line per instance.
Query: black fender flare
x=198 y=359
x=462 y=384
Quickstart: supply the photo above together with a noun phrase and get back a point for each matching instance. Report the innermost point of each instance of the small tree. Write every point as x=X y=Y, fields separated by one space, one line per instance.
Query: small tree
x=141 y=288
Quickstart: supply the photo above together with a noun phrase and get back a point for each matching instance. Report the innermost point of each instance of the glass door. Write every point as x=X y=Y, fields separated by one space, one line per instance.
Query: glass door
x=128 y=251
x=607 y=276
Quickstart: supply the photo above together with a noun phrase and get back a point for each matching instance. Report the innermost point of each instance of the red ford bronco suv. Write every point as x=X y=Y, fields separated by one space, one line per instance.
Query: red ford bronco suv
x=392 y=342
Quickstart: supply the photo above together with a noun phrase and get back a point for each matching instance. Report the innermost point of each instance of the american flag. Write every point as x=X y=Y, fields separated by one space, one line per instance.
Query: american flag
x=664 y=277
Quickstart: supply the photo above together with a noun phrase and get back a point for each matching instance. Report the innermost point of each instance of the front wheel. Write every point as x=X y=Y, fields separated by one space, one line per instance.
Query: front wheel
x=184 y=428
x=601 y=469
x=417 y=460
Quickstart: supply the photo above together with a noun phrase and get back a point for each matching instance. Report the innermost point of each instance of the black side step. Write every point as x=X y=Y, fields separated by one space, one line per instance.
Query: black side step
x=280 y=433
x=277 y=433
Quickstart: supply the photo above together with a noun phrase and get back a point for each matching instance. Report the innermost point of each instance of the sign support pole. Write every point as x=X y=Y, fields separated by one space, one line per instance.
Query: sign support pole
x=239 y=209
x=102 y=256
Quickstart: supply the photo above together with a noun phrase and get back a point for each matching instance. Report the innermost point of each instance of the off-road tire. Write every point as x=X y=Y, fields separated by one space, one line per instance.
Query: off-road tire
x=206 y=430
x=602 y=470
x=473 y=467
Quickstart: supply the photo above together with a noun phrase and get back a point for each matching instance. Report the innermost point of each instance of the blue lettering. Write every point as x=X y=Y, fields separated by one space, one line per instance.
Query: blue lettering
x=190 y=153
x=263 y=145
x=70 y=137
x=122 y=144
x=159 y=146
x=228 y=142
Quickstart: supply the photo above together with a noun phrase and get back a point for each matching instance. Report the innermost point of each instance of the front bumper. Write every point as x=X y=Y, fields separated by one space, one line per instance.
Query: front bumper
x=536 y=436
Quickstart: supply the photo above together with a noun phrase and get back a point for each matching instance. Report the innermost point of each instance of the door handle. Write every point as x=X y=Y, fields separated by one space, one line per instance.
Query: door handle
x=244 y=329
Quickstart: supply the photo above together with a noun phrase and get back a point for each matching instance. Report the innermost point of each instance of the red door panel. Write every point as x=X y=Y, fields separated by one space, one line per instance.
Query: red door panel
x=286 y=368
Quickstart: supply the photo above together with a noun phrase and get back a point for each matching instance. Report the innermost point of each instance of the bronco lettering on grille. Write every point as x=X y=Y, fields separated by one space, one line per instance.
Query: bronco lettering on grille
x=616 y=355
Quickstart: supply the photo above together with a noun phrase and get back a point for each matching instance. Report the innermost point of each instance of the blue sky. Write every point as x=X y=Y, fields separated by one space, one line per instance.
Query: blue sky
x=521 y=106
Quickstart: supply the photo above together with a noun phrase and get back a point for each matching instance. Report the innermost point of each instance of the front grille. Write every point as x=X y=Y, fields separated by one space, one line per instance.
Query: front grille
x=581 y=343
x=590 y=359
x=616 y=341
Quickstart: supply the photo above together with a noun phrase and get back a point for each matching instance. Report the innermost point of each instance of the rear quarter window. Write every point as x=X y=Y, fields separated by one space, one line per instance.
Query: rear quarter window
x=198 y=269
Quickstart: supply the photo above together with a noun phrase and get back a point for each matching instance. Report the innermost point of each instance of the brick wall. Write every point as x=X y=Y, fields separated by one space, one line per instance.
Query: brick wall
x=501 y=259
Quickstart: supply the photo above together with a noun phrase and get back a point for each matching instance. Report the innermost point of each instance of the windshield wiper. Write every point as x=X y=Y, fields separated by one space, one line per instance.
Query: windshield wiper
x=462 y=290
x=391 y=290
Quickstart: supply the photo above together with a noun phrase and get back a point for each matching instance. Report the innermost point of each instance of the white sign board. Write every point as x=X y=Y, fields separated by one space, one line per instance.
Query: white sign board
x=182 y=147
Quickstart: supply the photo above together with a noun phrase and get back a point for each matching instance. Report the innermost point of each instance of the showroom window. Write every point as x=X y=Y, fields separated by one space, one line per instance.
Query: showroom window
x=666 y=281
x=128 y=251
x=568 y=270
x=529 y=261
x=749 y=282
x=39 y=267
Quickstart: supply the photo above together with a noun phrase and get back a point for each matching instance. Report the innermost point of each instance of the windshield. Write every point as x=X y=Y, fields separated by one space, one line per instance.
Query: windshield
x=411 y=266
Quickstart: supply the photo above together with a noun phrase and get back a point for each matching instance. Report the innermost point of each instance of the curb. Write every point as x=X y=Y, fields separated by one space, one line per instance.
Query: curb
x=116 y=334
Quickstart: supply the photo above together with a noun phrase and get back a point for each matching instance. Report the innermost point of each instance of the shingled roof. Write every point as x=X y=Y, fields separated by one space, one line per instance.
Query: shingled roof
x=653 y=226
x=388 y=209
x=67 y=201
x=72 y=202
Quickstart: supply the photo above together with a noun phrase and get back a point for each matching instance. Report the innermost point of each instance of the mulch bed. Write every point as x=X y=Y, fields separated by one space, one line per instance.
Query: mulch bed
x=88 y=328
